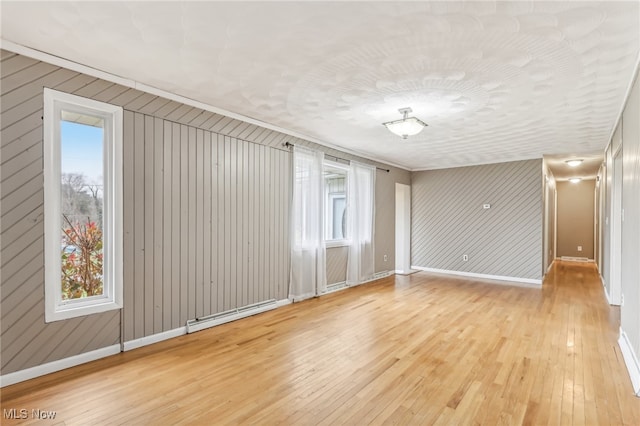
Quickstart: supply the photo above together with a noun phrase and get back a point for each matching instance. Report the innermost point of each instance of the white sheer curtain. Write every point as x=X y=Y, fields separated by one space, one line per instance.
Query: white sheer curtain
x=361 y=195
x=308 y=249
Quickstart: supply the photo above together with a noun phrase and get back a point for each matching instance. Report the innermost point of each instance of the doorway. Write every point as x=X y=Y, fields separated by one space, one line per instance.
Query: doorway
x=403 y=228
x=615 y=257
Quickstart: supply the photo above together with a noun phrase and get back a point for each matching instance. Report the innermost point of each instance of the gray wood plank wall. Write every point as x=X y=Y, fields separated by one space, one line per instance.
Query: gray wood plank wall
x=206 y=215
x=630 y=311
x=448 y=219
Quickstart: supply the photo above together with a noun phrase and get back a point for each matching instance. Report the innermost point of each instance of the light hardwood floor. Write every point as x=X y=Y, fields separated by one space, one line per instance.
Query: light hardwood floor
x=422 y=349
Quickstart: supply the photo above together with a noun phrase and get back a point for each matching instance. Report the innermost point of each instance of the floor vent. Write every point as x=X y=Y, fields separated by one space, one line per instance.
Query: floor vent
x=231 y=315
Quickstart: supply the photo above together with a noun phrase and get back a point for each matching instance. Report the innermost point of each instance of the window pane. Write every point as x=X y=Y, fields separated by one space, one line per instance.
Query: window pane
x=335 y=180
x=339 y=204
x=82 y=185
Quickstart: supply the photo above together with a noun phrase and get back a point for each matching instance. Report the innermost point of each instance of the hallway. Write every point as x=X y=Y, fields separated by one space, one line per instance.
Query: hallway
x=418 y=349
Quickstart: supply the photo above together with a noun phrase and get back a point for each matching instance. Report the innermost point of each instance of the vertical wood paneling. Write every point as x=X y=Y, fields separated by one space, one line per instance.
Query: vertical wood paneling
x=630 y=311
x=192 y=238
x=158 y=213
x=184 y=222
x=199 y=225
x=176 y=264
x=139 y=227
x=128 y=225
x=167 y=211
x=220 y=247
x=228 y=230
x=244 y=208
x=149 y=216
x=206 y=249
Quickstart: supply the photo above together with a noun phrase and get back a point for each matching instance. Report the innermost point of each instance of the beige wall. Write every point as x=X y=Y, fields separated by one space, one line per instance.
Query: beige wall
x=576 y=218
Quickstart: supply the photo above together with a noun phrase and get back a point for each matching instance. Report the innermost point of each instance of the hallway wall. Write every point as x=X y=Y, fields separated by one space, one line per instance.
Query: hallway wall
x=576 y=218
x=630 y=311
x=627 y=135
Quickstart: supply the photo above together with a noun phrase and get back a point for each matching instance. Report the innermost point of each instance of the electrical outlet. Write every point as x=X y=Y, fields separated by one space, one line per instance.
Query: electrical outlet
x=465 y=257
x=385 y=257
x=579 y=248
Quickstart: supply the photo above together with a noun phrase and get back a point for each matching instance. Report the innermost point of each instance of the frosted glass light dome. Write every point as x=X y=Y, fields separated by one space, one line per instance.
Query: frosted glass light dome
x=407 y=126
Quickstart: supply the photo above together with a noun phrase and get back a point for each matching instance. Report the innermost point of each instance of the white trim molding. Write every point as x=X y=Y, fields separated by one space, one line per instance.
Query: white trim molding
x=62 y=364
x=400 y=272
x=55 y=104
x=631 y=361
x=154 y=338
x=283 y=302
x=484 y=276
x=606 y=295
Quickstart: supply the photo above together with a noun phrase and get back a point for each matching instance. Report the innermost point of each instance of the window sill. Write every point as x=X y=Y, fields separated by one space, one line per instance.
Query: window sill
x=335 y=244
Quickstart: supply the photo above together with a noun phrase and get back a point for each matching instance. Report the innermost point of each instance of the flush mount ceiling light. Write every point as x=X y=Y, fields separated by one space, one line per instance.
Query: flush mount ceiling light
x=573 y=163
x=407 y=126
x=575 y=180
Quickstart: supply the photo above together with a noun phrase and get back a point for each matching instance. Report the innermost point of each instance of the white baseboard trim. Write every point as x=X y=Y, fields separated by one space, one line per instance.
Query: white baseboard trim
x=283 y=302
x=550 y=265
x=62 y=364
x=53 y=366
x=154 y=338
x=475 y=275
x=401 y=272
x=631 y=361
x=376 y=276
x=606 y=295
x=577 y=259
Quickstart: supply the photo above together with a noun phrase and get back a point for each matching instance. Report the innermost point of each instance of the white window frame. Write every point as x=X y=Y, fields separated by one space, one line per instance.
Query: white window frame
x=55 y=308
x=344 y=242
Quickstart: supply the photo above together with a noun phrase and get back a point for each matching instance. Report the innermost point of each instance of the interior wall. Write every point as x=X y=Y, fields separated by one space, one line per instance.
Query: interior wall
x=576 y=218
x=206 y=204
x=630 y=310
x=602 y=197
x=449 y=221
x=596 y=212
x=608 y=203
x=549 y=185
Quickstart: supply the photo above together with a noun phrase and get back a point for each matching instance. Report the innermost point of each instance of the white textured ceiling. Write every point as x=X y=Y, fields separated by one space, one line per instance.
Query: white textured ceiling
x=495 y=81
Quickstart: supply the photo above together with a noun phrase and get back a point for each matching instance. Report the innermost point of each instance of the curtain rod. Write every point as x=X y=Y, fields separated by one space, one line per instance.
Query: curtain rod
x=289 y=144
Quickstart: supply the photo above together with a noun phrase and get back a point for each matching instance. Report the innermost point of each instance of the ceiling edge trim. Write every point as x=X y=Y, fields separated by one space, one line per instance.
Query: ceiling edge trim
x=113 y=78
x=484 y=163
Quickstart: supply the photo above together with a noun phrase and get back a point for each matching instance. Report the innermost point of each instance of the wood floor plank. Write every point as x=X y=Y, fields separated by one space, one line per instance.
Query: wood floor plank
x=418 y=349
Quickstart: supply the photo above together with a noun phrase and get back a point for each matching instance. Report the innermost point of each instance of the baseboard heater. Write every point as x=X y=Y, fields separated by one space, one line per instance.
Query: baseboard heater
x=576 y=259
x=231 y=315
x=335 y=287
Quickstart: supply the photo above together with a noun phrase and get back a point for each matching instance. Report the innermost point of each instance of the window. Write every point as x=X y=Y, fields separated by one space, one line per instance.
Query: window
x=335 y=183
x=83 y=206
